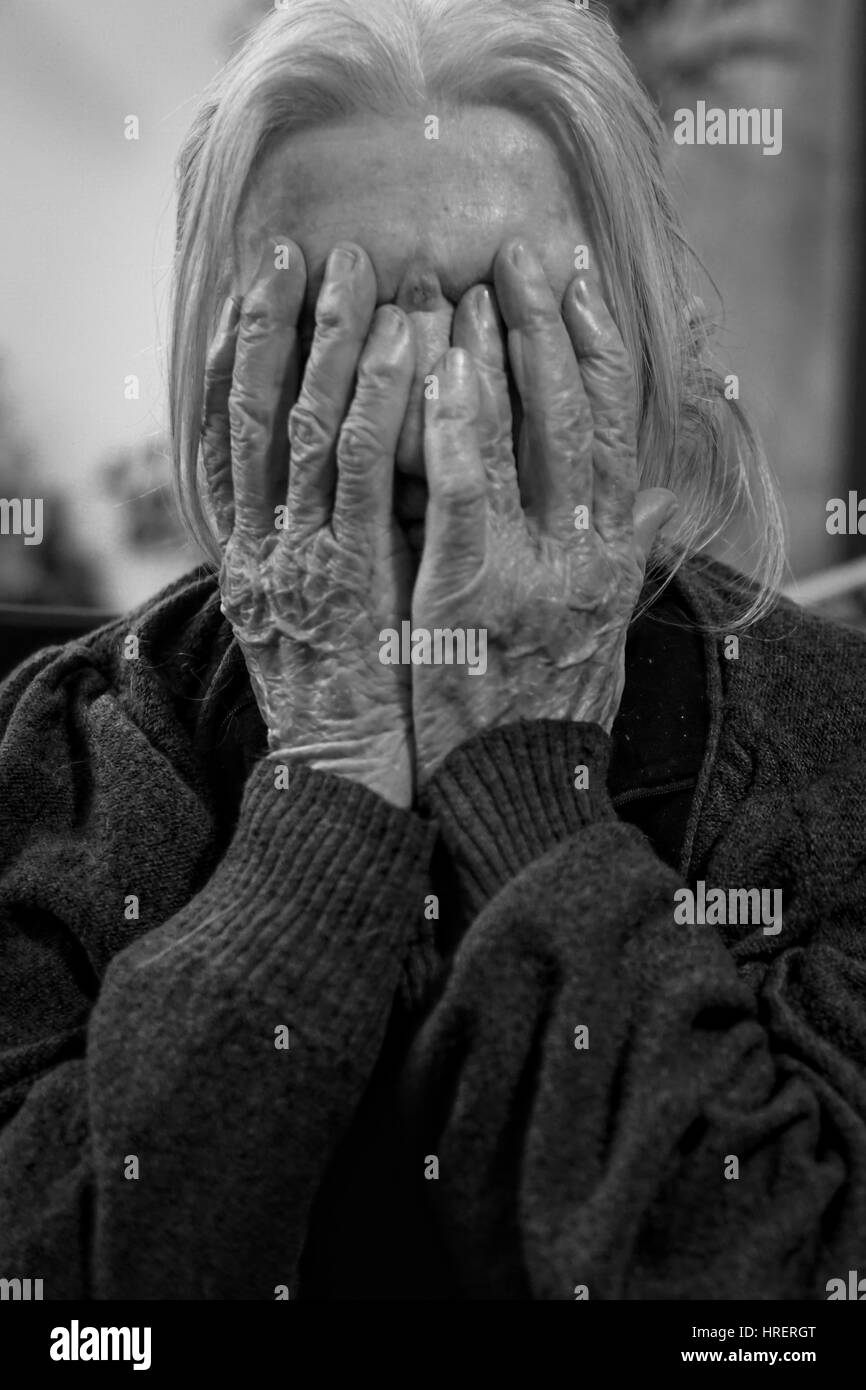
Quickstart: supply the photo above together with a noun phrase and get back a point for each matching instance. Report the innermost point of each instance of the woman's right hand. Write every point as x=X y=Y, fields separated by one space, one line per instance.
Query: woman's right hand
x=314 y=563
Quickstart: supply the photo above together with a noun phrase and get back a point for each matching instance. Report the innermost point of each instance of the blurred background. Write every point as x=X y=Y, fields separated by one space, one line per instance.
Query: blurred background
x=86 y=240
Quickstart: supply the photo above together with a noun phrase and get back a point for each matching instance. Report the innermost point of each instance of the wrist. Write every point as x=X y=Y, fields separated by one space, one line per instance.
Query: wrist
x=512 y=793
x=383 y=764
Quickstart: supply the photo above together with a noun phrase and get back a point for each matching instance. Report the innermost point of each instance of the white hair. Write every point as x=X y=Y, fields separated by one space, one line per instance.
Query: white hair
x=312 y=62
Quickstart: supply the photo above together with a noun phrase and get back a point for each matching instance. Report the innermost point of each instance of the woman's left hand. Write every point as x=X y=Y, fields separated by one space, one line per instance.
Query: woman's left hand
x=546 y=554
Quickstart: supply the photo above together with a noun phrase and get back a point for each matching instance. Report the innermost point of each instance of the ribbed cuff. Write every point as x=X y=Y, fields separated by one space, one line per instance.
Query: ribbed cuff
x=323 y=880
x=508 y=795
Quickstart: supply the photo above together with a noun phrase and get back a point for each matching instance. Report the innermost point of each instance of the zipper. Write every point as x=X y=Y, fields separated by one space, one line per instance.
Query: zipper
x=639 y=793
x=244 y=704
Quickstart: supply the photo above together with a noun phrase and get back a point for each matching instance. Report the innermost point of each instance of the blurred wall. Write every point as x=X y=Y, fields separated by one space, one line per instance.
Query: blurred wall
x=779 y=236
x=87 y=232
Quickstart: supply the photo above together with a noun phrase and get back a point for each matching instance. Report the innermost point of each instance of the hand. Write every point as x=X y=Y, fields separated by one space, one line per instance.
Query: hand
x=506 y=549
x=314 y=565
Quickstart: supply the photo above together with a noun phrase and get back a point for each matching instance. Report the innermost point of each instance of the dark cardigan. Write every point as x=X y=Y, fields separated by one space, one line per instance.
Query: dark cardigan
x=538 y=1095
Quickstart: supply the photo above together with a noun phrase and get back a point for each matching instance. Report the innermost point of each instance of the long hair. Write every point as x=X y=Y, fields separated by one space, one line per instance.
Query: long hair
x=312 y=62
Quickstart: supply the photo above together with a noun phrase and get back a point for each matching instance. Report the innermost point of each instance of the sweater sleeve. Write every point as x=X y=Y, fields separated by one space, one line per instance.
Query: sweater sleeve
x=168 y=1106
x=623 y=1106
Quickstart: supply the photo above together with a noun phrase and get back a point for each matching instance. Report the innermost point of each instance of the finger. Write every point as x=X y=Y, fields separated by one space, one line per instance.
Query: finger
x=609 y=383
x=652 y=509
x=215 y=436
x=344 y=309
x=263 y=385
x=478 y=327
x=368 y=439
x=555 y=462
x=456 y=519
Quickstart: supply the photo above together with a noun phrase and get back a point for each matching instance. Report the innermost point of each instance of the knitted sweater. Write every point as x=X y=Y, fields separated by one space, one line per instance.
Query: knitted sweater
x=241 y=1057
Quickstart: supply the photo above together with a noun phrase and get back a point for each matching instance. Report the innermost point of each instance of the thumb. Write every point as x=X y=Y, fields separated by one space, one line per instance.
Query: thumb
x=652 y=509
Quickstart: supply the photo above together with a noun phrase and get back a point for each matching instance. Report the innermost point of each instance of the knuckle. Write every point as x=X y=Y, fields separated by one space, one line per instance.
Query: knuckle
x=539 y=317
x=613 y=401
x=453 y=410
x=569 y=430
x=615 y=361
x=605 y=350
x=331 y=317
x=308 y=432
x=614 y=428
x=380 y=376
x=246 y=410
x=459 y=490
x=270 y=307
x=259 y=320
x=358 y=445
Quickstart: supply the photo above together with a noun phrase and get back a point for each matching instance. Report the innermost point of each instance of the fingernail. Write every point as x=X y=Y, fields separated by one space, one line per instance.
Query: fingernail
x=523 y=258
x=391 y=320
x=483 y=306
x=340 y=262
x=230 y=314
x=586 y=297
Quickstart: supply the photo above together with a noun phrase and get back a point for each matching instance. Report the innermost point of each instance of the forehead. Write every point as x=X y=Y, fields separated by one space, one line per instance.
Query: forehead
x=445 y=203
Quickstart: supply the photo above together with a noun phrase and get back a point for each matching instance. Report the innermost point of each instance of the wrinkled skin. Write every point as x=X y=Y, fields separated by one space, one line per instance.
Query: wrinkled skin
x=308 y=600
x=502 y=549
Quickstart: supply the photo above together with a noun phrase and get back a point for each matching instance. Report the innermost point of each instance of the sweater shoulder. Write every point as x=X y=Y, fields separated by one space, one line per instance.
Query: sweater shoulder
x=793 y=679
x=161 y=665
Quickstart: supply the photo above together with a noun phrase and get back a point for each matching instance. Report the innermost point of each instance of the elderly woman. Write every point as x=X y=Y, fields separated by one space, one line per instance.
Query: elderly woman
x=457 y=890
